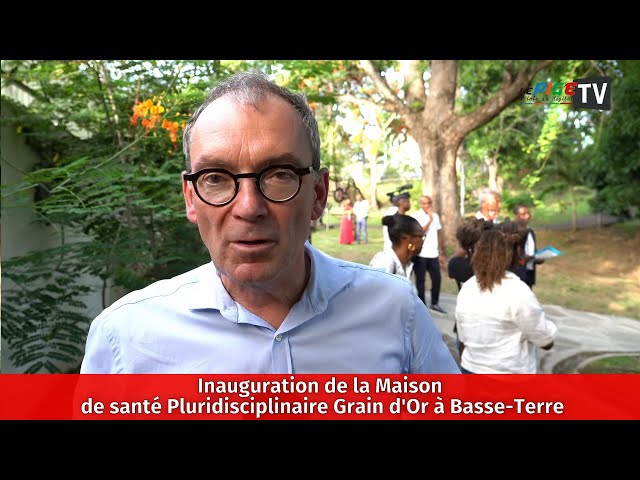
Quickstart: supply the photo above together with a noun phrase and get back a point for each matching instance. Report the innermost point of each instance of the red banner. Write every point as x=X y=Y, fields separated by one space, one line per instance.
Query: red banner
x=320 y=397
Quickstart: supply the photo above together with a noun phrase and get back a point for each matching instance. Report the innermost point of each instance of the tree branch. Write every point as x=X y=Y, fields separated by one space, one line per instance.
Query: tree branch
x=104 y=102
x=106 y=78
x=349 y=98
x=511 y=88
x=391 y=100
x=27 y=89
x=415 y=92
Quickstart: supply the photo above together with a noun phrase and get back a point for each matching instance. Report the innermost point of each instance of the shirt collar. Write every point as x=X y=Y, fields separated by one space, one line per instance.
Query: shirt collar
x=207 y=292
x=328 y=277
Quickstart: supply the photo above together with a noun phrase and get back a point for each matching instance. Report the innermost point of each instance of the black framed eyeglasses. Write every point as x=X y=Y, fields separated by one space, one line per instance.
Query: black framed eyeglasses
x=218 y=187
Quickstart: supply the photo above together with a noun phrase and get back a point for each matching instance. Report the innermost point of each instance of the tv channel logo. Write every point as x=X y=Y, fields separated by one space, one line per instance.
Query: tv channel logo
x=595 y=93
x=592 y=93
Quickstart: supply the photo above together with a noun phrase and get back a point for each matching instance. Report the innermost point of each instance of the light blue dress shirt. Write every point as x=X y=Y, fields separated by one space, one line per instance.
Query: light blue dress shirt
x=350 y=319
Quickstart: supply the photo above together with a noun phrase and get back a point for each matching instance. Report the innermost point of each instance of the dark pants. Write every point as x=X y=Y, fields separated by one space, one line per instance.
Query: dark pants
x=530 y=278
x=527 y=276
x=421 y=266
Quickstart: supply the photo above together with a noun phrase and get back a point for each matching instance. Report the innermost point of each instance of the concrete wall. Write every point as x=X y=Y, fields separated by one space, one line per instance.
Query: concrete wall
x=19 y=235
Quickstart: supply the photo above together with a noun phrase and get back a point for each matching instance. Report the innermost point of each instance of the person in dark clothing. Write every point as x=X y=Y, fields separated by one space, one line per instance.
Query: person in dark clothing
x=516 y=229
x=467 y=234
x=526 y=268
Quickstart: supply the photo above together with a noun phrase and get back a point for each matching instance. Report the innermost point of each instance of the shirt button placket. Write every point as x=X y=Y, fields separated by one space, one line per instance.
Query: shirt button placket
x=281 y=362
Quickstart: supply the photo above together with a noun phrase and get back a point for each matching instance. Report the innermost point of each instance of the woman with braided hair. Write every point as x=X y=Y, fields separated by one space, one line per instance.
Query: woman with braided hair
x=499 y=319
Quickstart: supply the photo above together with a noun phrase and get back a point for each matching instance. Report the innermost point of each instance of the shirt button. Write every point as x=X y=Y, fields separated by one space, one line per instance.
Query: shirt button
x=278 y=338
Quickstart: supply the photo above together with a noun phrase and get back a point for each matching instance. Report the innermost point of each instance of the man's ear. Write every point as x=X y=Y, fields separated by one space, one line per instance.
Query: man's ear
x=321 y=189
x=187 y=192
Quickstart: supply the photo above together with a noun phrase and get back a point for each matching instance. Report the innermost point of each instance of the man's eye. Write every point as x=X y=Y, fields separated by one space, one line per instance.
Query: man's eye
x=213 y=179
x=282 y=175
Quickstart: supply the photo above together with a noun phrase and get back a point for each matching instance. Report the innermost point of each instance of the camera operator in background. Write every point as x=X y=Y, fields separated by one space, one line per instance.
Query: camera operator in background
x=400 y=204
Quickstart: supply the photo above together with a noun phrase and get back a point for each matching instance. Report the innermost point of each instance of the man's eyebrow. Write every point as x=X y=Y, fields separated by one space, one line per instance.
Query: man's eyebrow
x=287 y=158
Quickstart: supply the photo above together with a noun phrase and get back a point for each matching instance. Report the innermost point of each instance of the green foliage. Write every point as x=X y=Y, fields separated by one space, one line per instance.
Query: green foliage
x=556 y=207
x=43 y=320
x=109 y=187
x=538 y=148
x=614 y=168
x=510 y=200
x=479 y=80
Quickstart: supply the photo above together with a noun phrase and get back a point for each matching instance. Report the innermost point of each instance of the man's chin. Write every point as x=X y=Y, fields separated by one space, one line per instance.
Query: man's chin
x=251 y=273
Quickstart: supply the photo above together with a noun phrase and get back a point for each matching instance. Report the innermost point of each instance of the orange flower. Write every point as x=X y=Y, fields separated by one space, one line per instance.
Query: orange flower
x=150 y=113
x=142 y=109
x=172 y=128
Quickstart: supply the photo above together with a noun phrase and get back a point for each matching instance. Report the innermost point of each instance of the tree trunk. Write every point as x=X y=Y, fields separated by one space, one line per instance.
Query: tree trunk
x=443 y=186
x=439 y=131
x=372 y=157
x=574 y=210
x=491 y=162
x=462 y=175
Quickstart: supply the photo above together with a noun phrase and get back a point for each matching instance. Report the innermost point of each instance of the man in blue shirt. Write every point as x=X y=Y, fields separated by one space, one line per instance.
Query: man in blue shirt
x=268 y=302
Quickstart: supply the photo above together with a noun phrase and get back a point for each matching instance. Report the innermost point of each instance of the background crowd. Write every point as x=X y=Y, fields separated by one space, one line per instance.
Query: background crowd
x=499 y=321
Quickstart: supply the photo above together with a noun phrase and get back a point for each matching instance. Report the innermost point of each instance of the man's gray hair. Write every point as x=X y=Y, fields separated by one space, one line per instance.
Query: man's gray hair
x=486 y=193
x=250 y=88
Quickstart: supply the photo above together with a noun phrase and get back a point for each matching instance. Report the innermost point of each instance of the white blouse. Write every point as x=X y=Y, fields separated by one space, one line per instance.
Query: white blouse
x=388 y=261
x=501 y=328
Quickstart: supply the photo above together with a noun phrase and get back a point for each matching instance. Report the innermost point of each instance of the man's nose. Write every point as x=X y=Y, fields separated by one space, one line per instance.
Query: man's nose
x=249 y=203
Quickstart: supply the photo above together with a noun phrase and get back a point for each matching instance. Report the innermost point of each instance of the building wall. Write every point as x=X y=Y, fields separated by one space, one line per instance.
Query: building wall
x=19 y=233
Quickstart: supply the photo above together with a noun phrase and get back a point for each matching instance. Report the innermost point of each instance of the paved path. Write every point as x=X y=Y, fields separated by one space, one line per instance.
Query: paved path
x=582 y=336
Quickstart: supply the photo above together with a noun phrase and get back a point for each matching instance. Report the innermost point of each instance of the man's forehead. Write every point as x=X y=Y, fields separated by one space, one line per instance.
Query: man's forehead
x=230 y=118
x=228 y=103
x=227 y=130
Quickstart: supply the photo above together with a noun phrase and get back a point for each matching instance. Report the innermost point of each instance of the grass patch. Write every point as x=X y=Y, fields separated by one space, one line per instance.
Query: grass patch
x=327 y=240
x=630 y=228
x=599 y=270
x=613 y=364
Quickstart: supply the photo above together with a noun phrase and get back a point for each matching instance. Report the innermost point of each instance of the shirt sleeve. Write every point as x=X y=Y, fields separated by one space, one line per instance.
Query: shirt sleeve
x=429 y=353
x=382 y=261
x=530 y=317
x=98 y=356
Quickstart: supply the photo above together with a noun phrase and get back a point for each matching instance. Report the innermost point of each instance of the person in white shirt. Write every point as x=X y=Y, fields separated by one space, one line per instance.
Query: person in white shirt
x=499 y=319
x=401 y=204
x=361 y=211
x=406 y=239
x=431 y=254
